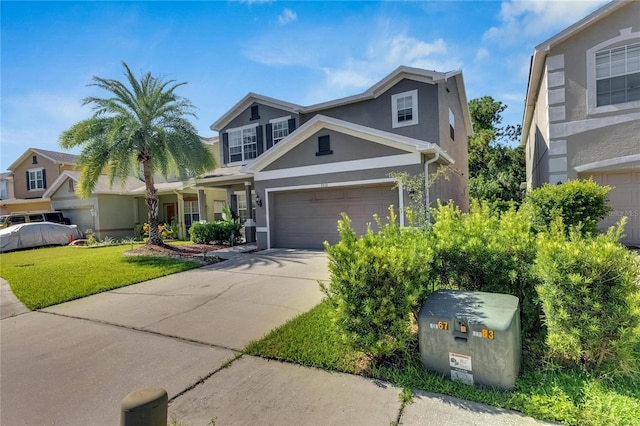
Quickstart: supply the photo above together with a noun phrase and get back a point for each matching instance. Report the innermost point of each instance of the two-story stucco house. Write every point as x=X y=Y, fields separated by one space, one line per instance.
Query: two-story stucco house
x=29 y=178
x=301 y=166
x=582 y=113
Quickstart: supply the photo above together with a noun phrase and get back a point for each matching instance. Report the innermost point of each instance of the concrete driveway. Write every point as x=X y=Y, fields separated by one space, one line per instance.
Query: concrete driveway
x=72 y=364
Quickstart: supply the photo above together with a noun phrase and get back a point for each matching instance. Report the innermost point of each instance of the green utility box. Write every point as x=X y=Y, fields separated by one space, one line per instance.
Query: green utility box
x=472 y=337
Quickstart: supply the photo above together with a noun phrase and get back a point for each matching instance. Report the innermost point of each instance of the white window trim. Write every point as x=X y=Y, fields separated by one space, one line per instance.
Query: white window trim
x=238 y=129
x=278 y=120
x=414 y=109
x=625 y=37
x=39 y=169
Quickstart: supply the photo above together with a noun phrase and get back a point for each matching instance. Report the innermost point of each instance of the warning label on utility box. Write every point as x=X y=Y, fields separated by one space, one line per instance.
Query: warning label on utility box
x=461 y=370
x=462 y=376
x=462 y=362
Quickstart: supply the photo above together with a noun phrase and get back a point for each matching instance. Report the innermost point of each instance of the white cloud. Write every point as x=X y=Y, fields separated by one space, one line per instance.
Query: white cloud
x=384 y=54
x=538 y=18
x=482 y=53
x=287 y=16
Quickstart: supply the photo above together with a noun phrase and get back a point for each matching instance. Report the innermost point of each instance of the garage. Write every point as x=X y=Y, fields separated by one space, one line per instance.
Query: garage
x=624 y=198
x=306 y=218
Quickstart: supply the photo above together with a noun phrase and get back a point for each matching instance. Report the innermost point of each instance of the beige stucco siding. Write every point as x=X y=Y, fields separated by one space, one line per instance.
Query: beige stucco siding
x=575 y=50
x=52 y=171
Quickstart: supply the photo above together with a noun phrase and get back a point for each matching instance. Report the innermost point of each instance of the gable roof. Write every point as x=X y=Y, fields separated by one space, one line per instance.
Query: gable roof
x=56 y=157
x=541 y=51
x=400 y=73
x=322 y=122
x=119 y=187
x=247 y=101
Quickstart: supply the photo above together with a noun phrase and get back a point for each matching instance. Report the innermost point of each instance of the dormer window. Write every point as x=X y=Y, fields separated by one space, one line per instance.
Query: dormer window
x=324 y=146
x=255 y=114
x=404 y=107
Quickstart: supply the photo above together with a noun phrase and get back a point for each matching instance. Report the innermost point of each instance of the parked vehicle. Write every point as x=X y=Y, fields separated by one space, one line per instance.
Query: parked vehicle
x=30 y=217
x=29 y=235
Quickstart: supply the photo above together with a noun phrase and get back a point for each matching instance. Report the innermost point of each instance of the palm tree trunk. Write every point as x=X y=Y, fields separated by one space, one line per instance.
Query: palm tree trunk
x=152 y=202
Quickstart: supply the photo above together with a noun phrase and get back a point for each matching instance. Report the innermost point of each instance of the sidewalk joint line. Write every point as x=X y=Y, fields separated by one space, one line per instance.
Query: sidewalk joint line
x=142 y=330
x=201 y=380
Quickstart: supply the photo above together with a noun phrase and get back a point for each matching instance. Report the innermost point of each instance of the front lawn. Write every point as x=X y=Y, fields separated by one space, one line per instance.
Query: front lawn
x=48 y=276
x=569 y=397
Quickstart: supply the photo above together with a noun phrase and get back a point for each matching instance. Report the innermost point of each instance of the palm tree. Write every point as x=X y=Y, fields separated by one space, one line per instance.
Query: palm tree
x=144 y=125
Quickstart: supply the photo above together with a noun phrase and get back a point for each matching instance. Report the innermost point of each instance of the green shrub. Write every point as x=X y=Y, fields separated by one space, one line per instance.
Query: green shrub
x=223 y=231
x=486 y=250
x=590 y=294
x=377 y=281
x=579 y=202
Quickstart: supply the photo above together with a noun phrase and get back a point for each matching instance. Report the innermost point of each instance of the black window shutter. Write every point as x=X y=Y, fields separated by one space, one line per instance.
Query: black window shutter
x=292 y=125
x=44 y=179
x=225 y=147
x=28 y=183
x=259 y=140
x=269 y=130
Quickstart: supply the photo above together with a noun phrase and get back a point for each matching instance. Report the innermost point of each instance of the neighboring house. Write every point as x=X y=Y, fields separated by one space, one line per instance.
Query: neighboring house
x=115 y=210
x=582 y=113
x=29 y=178
x=301 y=166
x=6 y=186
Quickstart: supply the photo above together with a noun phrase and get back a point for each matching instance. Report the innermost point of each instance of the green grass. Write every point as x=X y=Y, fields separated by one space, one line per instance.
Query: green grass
x=570 y=397
x=48 y=276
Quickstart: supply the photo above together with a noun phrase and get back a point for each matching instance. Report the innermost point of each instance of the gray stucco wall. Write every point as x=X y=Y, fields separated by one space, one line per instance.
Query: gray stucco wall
x=376 y=113
x=353 y=176
x=456 y=187
x=344 y=147
x=265 y=112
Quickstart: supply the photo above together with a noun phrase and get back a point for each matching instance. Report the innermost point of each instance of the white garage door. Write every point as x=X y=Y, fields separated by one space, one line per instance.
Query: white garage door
x=305 y=219
x=624 y=199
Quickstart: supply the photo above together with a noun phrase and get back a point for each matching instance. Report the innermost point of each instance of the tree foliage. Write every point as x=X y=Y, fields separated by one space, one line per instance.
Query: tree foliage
x=144 y=125
x=496 y=169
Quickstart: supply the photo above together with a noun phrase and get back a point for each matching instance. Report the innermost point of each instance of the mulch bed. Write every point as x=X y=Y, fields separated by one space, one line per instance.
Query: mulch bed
x=182 y=251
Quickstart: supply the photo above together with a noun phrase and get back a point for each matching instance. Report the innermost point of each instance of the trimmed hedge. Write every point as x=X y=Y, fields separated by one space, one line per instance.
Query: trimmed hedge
x=486 y=250
x=590 y=294
x=377 y=282
x=580 y=203
x=224 y=231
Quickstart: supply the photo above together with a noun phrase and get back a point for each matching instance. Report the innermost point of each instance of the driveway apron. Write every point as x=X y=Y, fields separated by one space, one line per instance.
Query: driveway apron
x=73 y=363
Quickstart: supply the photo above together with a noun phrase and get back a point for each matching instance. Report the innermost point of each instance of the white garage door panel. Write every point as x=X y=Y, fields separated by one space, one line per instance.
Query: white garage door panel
x=624 y=199
x=305 y=219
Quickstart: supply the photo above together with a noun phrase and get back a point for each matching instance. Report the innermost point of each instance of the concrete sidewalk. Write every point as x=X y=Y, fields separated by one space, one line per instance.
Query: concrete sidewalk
x=72 y=364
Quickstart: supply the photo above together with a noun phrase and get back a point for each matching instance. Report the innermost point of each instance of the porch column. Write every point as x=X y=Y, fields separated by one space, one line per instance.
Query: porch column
x=182 y=229
x=250 y=224
x=202 y=205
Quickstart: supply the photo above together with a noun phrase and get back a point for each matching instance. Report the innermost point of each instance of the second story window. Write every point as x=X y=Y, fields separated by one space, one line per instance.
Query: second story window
x=36 y=180
x=618 y=75
x=279 y=129
x=243 y=144
x=404 y=109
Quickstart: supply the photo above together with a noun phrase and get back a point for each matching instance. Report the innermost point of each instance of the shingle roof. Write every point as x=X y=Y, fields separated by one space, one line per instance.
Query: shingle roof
x=60 y=157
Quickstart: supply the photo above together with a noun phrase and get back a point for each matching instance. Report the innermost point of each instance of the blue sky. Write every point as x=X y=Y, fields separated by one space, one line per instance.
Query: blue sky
x=300 y=52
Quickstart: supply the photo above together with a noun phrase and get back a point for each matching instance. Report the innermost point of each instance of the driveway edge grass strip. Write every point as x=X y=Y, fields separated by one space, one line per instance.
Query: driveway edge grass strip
x=49 y=276
x=566 y=396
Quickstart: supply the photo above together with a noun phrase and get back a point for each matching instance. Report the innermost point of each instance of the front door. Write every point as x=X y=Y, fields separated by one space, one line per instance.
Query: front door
x=170 y=212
